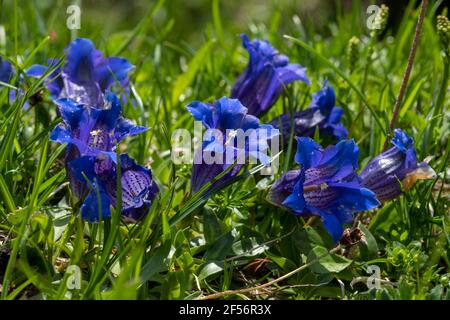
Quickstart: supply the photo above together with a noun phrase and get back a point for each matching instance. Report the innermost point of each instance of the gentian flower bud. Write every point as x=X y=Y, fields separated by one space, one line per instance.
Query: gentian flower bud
x=396 y=169
x=6 y=75
x=6 y=70
x=266 y=76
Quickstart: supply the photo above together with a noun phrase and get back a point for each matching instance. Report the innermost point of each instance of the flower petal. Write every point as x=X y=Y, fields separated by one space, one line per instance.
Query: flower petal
x=97 y=204
x=6 y=70
x=111 y=70
x=230 y=112
x=352 y=197
x=125 y=128
x=325 y=99
x=296 y=201
x=284 y=186
x=338 y=162
x=71 y=112
x=83 y=168
x=308 y=153
x=291 y=73
x=36 y=71
x=201 y=112
x=80 y=61
x=332 y=225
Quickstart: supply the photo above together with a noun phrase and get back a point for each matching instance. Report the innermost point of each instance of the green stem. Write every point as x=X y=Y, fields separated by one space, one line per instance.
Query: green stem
x=362 y=106
x=438 y=108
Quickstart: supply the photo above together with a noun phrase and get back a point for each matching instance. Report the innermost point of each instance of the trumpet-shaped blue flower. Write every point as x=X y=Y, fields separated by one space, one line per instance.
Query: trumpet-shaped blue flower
x=326 y=185
x=321 y=113
x=266 y=76
x=54 y=82
x=91 y=131
x=395 y=169
x=232 y=137
x=99 y=176
x=6 y=75
x=6 y=70
x=86 y=76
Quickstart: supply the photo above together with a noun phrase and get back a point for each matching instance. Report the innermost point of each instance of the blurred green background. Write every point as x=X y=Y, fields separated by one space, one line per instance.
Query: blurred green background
x=188 y=19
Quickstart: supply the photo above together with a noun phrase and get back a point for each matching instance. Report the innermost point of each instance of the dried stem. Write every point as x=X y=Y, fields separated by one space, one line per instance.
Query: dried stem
x=262 y=286
x=412 y=54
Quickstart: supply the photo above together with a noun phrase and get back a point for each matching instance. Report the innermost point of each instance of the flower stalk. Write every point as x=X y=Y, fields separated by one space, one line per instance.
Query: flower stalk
x=412 y=54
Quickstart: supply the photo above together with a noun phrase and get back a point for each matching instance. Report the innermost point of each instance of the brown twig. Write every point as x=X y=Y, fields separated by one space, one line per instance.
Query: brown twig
x=262 y=286
x=409 y=66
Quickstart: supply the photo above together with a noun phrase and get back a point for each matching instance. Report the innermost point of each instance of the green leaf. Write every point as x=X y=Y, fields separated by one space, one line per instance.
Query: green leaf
x=217 y=21
x=436 y=293
x=411 y=98
x=369 y=248
x=212 y=229
x=60 y=217
x=249 y=247
x=330 y=263
x=6 y=195
x=185 y=80
x=157 y=263
x=307 y=238
x=384 y=218
x=222 y=247
x=284 y=263
x=210 y=268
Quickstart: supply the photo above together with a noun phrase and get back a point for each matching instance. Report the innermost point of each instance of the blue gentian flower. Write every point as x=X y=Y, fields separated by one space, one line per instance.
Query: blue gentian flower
x=100 y=179
x=54 y=82
x=321 y=113
x=229 y=119
x=91 y=131
x=87 y=74
x=6 y=75
x=326 y=185
x=6 y=70
x=266 y=76
x=395 y=169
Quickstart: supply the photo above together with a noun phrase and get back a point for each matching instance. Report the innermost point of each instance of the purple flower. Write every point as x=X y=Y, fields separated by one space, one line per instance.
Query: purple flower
x=395 y=169
x=326 y=185
x=86 y=76
x=91 y=131
x=100 y=179
x=321 y=113
x=232 y=135
x=6 y=75
x=266 y=76
x=6 y=70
